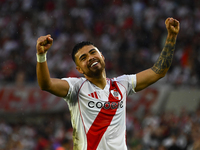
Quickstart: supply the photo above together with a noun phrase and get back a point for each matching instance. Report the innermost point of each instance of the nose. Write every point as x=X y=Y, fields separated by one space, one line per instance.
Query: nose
x=90 y=58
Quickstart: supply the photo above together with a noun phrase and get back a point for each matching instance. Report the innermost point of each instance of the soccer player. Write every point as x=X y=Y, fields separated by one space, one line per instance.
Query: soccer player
x=98 y=104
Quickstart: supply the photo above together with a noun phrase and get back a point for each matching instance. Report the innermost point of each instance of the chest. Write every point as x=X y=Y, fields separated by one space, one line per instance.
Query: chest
x=93 y=100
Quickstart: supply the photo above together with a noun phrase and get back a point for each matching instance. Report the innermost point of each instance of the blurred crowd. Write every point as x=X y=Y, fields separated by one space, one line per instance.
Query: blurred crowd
x=166 y=131
x=130 y=34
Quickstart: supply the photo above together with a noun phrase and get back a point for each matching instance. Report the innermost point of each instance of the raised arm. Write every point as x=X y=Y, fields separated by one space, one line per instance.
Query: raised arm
x=162 y=65
x=55 y=86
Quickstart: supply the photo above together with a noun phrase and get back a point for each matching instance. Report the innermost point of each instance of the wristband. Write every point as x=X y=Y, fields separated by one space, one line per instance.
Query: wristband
x=41 y=57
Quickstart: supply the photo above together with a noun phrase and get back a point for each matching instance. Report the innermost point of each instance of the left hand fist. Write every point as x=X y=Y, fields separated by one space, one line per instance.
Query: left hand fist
x=172 y=26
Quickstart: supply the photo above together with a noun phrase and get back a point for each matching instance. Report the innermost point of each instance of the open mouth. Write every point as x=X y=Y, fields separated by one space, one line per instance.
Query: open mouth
x=93 y=64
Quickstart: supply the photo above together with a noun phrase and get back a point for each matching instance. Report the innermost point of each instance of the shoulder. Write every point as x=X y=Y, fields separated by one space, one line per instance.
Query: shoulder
x=128 y=81
x=74 y=85
x=124 y=78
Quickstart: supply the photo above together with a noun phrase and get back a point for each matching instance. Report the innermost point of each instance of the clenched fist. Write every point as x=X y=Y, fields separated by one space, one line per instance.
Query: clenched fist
x=172 y=26
x=43 y=44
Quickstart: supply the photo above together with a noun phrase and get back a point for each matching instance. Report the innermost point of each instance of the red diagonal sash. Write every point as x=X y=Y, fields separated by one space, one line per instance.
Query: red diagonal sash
x=101 y=122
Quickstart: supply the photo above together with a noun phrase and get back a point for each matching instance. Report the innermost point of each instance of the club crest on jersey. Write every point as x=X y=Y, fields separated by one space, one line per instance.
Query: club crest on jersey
x=116 y=94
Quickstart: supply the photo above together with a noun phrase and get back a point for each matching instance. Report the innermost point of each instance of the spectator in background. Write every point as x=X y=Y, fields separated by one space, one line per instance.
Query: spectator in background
x=109 y=24
x=65 y=145
x=20 y=25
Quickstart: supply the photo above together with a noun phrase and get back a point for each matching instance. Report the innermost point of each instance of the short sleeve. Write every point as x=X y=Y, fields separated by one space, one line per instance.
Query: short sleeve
x=128 y=81
x=132 y=81
x=71 y=82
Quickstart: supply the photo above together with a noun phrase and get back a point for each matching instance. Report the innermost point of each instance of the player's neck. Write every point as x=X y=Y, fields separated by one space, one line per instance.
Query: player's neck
x=99 y=81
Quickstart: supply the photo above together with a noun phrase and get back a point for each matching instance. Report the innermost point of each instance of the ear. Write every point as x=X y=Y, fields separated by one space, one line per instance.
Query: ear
x=79 y=69
x=102 y=56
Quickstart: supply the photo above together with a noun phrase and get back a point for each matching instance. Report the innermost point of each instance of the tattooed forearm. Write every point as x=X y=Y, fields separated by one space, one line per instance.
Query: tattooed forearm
x=165 y=59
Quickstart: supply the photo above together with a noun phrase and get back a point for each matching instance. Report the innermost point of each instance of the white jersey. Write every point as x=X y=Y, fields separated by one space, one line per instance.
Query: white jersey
x=98 y=116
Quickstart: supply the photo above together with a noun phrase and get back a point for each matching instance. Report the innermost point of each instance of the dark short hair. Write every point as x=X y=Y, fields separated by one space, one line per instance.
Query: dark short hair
x=78 y=47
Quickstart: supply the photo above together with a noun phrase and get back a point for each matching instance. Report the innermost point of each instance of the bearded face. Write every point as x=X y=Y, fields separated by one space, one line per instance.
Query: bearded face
x=90 y=61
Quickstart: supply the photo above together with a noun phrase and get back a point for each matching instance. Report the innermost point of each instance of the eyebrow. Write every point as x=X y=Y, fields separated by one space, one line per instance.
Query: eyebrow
x=85 y=54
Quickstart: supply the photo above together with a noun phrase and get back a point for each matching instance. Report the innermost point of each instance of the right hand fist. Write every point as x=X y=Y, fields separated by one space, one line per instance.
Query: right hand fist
x=44 y=43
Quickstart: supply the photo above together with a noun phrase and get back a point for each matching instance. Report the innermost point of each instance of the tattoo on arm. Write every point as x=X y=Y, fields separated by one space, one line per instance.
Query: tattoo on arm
x=165 y=59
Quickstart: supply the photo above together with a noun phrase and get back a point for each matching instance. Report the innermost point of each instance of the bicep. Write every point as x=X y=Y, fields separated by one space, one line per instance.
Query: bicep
x=58 y=87
x=146 y=78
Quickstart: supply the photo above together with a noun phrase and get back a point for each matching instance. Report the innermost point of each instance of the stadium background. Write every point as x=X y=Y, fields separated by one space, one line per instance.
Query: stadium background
x=130 y=34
